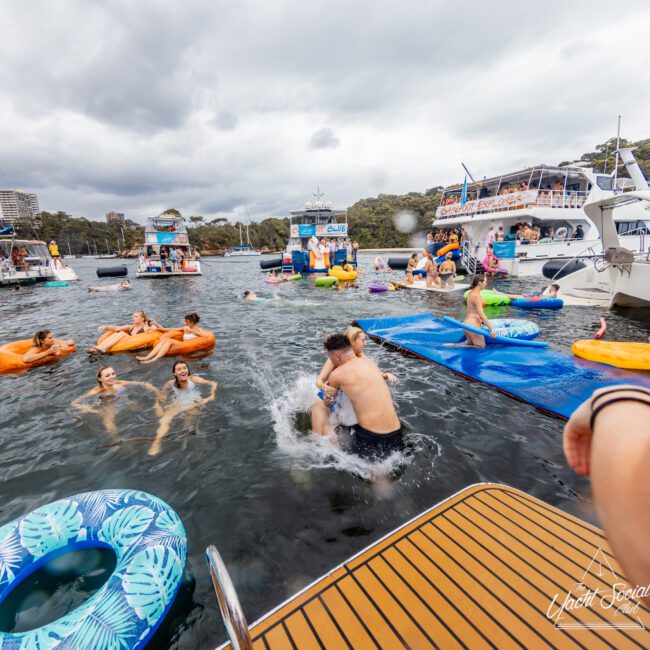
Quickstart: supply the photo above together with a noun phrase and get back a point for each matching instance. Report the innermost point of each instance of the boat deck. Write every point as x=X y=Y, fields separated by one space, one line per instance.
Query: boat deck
x=478 y=570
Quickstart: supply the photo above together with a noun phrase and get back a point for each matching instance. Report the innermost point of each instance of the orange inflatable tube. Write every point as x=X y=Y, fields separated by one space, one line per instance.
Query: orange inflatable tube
x=312 y=259
x=135 y=342
x=179 y=346
x=11 y=356
x=445 y=249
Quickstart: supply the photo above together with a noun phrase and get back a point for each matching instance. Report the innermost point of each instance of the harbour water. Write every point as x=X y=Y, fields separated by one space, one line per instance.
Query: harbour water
x=281 y=509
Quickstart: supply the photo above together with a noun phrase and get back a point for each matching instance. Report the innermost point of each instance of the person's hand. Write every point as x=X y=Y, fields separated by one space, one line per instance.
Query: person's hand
x=389 y=376
x=55 y=349
x=102 y=328
x=577 y=439
x=330 y=391
x=492 y=334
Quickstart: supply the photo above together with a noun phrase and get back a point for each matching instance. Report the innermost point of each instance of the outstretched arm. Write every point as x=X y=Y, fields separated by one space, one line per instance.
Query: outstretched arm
x=30 y=356
x=614 y=448
x=79 y=404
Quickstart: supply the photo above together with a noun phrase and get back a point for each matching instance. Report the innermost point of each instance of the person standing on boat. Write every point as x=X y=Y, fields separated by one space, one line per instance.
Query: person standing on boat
x=490 y=236
x=56 y=256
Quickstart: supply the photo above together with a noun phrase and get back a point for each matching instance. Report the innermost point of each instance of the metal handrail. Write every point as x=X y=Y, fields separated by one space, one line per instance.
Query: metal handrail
x=229 y=605
x=575 y=257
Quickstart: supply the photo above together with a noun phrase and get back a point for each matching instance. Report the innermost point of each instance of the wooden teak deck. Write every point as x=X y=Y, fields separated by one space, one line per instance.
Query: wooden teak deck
x=489 y=567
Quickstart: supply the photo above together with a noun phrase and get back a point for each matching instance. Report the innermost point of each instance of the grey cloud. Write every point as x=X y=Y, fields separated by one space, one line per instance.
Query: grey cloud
x=226 y=121
x=324 y=138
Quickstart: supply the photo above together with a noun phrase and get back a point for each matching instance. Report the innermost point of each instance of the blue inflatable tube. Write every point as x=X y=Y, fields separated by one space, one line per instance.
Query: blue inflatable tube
x=500 y=338
x=537 y=302
x=149 y=542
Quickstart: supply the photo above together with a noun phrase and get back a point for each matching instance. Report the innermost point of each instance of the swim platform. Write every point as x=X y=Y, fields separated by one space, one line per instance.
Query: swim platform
x=551 y=381
x=481 y=569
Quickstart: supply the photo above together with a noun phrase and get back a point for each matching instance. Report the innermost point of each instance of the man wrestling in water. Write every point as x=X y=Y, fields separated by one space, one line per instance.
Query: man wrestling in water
x=378 y=433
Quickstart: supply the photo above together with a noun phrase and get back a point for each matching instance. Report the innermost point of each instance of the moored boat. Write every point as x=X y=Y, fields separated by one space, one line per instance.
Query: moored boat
x=167 y=251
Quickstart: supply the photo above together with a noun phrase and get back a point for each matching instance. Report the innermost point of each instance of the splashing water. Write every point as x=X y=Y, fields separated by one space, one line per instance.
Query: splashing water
x=310 y=451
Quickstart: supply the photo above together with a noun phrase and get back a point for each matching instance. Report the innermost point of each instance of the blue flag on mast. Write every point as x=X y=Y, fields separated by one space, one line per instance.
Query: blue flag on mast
x=463 y=194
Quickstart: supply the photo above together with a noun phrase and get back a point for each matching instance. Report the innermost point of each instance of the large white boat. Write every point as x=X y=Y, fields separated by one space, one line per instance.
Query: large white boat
x=549 y=198
x=26 y=261
x=167 y=251
x=243 y=250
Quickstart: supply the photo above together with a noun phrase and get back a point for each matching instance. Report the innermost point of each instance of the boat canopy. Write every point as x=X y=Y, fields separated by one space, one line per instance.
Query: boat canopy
x=166 y=231
x=36 y=250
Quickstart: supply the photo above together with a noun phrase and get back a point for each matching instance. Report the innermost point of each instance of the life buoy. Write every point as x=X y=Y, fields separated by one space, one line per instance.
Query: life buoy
x=11 y=356
x=135 y=342
x=150 y=543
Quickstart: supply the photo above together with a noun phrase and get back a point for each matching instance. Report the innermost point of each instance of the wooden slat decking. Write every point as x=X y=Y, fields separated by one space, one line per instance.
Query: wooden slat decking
x=479 y=570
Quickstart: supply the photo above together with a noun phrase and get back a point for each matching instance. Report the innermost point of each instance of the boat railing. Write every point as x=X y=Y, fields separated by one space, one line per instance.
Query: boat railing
x=229 y=605
x=470 y=263
x=513 y=201
x=585 y=252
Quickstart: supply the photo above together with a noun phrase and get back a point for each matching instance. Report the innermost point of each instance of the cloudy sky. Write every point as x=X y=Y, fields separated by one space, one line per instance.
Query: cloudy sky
x=212 y=106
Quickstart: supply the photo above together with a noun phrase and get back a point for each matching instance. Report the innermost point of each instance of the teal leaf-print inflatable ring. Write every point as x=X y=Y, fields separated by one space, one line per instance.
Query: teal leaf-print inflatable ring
x=150 y=544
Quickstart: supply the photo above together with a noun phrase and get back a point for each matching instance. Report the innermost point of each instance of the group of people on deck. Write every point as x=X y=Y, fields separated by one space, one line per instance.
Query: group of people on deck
x=322 y=251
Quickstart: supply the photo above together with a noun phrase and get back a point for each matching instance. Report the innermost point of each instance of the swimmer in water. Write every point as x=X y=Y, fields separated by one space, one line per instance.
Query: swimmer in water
x=475 y=314
x=322 y=413
x=120 y=286
x=379 y=264
x=44 y=345
x=179 y=395
x=141 y=323
x=108 y=388
x=190 y=330
x=251 y=296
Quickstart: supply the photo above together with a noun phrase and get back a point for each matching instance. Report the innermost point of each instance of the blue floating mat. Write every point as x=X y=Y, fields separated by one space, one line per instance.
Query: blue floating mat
x=551 y=381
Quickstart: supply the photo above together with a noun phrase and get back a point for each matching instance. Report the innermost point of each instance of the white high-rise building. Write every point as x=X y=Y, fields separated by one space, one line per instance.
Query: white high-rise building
x=15 y=204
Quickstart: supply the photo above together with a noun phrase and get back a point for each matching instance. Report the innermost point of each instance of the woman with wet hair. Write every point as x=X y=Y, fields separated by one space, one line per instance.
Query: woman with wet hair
x=45 y=345
x=180 y=395
x=108 y=389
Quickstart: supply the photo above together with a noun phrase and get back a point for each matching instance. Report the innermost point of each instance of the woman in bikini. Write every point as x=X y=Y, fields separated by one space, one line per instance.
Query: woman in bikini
x=190 y=330
x=180 y=395
x=431 y=269
x=475 y=314
x=45 y=345
x=109 y=388
x=140 y=324
x=447 y=271
x=410 y=267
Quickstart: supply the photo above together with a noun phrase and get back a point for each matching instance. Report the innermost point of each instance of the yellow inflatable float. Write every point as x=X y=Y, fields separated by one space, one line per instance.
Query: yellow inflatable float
x=340 y=273
x=631 y=356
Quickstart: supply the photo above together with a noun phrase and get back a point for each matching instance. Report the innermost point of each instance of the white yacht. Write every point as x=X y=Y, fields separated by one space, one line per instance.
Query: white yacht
x=163 y=233
x=26 y=261
x=551 y=199
x=243 y=250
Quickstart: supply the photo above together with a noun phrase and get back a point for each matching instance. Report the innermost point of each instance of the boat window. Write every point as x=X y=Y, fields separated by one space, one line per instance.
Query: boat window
x=164 y=226
x=605 y=182
x=632 y=227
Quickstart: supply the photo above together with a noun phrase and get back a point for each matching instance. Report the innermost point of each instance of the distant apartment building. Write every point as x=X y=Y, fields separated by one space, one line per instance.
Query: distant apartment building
x=115 y=217
x=15 y=204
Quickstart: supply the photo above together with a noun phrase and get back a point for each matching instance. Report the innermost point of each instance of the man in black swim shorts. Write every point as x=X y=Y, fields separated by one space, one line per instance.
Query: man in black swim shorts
x=378 y=433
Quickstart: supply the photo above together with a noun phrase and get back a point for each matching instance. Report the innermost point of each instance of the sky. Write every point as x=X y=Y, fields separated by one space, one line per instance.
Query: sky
x=217 y=107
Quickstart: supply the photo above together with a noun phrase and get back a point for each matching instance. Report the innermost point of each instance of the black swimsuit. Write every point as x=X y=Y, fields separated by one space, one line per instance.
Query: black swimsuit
x=375 y=446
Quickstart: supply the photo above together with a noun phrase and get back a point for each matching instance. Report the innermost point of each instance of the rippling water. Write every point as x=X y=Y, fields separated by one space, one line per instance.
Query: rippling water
x=280 y=509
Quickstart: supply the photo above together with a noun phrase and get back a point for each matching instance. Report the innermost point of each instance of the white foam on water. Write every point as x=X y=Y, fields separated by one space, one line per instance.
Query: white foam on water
x=313 y=451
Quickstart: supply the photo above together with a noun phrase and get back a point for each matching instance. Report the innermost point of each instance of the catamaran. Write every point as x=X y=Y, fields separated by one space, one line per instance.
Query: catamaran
x=549 y=198
x=167 y=251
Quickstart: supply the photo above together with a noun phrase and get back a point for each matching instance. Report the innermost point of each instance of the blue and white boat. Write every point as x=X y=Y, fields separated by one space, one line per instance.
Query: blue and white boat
x=319 y=220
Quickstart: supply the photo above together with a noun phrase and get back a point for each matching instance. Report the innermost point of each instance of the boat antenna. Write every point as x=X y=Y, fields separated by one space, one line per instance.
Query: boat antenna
x=618 y=142
x=469 y=173
x=318 y=194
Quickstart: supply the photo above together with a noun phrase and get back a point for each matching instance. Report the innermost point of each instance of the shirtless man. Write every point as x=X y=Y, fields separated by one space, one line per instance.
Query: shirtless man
x=378 y=433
